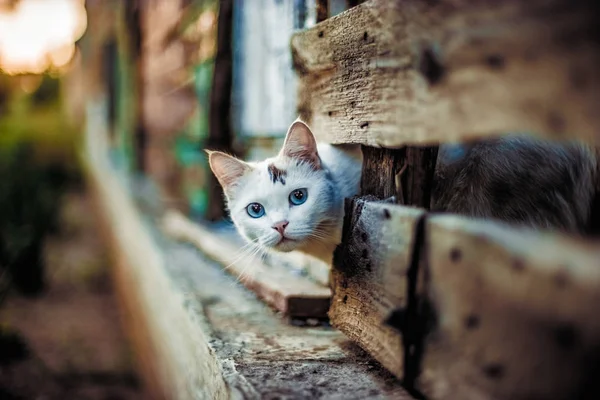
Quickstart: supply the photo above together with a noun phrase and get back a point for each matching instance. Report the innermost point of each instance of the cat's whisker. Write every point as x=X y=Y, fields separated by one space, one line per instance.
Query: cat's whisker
x=243 y=252
x=244 y=272
x=249 y=252
x=316 y=234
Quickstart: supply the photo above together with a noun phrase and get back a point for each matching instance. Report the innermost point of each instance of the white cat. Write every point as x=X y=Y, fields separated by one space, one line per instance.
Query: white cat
x=294 y=201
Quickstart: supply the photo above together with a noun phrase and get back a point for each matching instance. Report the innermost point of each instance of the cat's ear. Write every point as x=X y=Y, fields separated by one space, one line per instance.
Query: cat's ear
x=300 y=143
x=226 y=168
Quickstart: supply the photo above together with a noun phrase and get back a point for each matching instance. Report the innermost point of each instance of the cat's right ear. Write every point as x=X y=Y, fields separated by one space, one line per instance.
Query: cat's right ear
x=300 y=143
x=226 y=168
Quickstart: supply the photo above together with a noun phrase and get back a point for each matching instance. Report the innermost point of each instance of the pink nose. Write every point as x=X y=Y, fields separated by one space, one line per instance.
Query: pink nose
x=280 y=226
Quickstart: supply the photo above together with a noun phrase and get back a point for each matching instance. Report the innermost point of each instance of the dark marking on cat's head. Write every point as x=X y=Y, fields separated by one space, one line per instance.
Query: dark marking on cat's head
x=494 y=370
x=386 y=213
x=472 y=322
x=430 y=66
x=518 y=265
x=495 y=61
x=321 y=34
x=455 y=255
x=364 y=125
x=276 y=174
x=566 y=336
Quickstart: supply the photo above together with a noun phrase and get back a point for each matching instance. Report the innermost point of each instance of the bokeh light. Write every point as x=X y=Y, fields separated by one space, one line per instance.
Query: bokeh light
x=36 y=35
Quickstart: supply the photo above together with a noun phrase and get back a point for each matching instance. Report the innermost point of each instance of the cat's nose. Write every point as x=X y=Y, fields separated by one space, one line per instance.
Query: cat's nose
x=280 y=226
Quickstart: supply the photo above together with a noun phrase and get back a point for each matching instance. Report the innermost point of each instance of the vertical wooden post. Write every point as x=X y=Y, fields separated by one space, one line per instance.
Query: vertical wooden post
x=417 y=177
x=220 y=133
x=322 y=10
x=406 y=173
x=380 y=168
x=134 y=24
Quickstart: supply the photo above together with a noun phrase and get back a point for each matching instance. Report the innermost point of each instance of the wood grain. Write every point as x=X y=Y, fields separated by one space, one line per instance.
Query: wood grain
x=516 y=313
x=480 y=309
x=380 y=172
x=392 y=73
x=369 y=276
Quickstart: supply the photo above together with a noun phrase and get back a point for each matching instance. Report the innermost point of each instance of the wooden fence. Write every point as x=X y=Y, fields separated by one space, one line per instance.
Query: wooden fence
x=457 y=308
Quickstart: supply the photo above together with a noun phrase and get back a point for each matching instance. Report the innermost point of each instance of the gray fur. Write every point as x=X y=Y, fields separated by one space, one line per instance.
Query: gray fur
x=520 y=180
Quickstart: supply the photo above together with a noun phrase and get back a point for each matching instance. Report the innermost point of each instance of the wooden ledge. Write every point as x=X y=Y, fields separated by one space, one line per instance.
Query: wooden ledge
x=393 y=73
x=278 y=285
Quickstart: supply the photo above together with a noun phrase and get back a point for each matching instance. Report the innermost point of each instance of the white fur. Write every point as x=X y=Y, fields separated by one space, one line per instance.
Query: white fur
x=315 y=226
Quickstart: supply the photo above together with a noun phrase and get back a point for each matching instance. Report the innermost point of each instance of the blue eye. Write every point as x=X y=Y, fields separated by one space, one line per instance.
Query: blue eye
x=298 y=196
x=255 y=210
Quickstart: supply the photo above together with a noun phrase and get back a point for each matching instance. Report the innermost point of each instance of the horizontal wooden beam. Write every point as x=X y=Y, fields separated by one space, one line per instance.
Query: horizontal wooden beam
x=516 y=313
x=391 y=73
x=293 y=295
x=481 y=309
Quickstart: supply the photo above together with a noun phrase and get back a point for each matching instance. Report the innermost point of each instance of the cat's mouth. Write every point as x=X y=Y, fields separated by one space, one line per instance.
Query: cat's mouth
x=285 y=239
x=286 y=244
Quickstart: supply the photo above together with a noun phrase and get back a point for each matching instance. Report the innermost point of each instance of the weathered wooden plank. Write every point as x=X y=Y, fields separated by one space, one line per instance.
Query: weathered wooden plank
x=481 y=309
x=291 y=294
x=174 y=351
x=391 y=73
x=381 y=172
x=516 y=313
x=378 y=238
x=405 y=173
x=416 y=180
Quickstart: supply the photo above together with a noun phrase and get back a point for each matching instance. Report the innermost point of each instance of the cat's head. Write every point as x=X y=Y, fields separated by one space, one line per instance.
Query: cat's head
x=283 y=203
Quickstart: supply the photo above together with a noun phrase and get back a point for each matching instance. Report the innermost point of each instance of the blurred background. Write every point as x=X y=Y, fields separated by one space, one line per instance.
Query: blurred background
x=167 y=78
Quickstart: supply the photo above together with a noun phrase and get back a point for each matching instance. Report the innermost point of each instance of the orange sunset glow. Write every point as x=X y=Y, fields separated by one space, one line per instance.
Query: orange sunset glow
x=37 y=35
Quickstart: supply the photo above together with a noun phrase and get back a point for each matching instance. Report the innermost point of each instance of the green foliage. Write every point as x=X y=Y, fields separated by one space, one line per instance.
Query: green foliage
x=30 y=196
x=37 y=118
x=37 y=160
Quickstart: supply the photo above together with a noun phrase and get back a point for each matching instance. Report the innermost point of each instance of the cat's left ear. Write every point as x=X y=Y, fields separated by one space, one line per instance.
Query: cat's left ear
x=300 y=143
x=227 y=169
